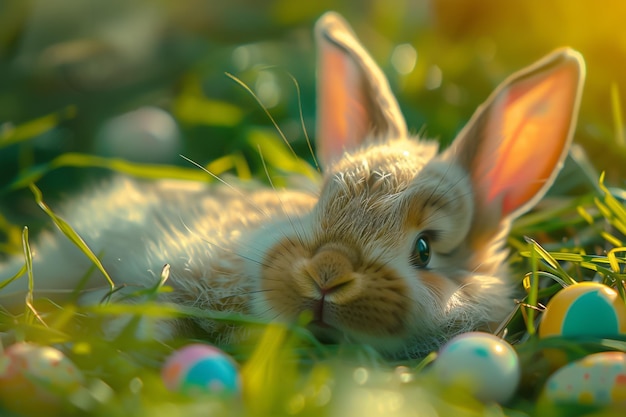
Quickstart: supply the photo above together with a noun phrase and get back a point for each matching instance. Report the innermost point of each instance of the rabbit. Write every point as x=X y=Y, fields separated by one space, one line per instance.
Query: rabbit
x=401 y=248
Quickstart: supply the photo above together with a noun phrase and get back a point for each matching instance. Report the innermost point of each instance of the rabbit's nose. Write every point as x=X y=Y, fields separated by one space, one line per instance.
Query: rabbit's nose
x=333 y=275
x=330 y=269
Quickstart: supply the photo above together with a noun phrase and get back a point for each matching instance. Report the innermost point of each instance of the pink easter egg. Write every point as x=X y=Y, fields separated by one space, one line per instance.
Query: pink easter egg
x=201 y=369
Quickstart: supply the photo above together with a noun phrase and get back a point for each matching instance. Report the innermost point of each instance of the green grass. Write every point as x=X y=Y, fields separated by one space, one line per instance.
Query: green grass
x=577 y=233
x=285 y=371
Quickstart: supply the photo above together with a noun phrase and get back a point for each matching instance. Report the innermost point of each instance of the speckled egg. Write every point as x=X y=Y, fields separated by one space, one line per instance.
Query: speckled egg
x=568 y=313
x=597 y=380
x=201 y=369
x=36 y=379
x=482 y=363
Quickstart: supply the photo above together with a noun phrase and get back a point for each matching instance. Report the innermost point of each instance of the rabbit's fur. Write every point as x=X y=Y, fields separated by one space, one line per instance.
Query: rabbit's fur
x=346 y=254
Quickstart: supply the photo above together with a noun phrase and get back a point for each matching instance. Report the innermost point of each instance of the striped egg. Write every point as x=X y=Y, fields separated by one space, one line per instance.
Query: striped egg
x=596 y=380
x=568 y=314
x=201 y=369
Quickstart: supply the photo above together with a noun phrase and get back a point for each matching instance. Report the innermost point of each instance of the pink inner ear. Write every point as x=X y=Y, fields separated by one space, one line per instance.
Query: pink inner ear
x=342 y=118
x=530 y=122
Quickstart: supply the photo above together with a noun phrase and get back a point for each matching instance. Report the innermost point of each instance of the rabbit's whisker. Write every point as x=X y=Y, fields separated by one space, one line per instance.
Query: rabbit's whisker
x=301 y=115
x=230 y=186
x=282 y=204
x=267 y=112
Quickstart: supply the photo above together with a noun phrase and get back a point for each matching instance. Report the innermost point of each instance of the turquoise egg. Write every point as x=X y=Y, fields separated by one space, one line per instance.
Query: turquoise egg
x=480 y=363
x=586 y=309
x=201 y=369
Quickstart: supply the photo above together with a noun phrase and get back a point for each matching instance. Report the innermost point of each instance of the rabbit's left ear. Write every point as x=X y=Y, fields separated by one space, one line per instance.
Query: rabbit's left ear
x=354 y=101
x=515 y=144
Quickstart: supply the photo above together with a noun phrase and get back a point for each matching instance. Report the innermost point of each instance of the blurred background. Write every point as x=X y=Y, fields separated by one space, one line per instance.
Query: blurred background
x=145 y=80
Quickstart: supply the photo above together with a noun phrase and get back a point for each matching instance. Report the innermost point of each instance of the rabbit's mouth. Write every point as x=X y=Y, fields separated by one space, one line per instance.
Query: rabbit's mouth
x=324 y=332
x=319 y=326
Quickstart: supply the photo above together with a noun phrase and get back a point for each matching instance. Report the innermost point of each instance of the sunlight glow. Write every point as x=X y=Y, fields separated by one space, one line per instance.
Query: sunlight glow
x=267 y=88
x=434 y=78
x=404 y=58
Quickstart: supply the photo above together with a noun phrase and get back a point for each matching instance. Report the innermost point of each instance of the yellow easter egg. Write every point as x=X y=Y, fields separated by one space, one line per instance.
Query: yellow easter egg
x=587 y=309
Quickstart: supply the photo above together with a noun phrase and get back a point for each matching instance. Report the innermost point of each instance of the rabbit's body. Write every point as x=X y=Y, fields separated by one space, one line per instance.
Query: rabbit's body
x=402 y=246
x=137 y=227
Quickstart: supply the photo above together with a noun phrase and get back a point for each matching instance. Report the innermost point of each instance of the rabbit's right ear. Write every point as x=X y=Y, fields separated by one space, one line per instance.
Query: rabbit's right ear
x=515 y=144
x=354 y=101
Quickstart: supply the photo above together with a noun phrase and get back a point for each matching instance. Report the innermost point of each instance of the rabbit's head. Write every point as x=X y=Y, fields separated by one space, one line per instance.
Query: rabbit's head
x=404 y=247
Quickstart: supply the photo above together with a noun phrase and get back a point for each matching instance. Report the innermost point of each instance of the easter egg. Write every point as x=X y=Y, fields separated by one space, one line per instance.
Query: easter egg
x=587 y=309
x=483 y=364
x=148 y=134
x=595 y=380
x=201 y=369
x=36 y=379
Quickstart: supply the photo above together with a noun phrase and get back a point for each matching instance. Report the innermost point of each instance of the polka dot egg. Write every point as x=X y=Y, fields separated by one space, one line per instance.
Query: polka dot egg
x=568 y=312
x=36 y=379
x=201 y=369
x=483 y=364
x=596 y=380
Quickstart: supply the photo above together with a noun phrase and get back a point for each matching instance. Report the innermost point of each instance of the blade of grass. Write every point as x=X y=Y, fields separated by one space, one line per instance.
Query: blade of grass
x=13 y=236
x=613 y=259
x=532 y=291
x=592 y=262
x=28 y=258
x=549 y=259
x=144 y=309
x=30 y=313
x=14 y=277
x=67 y=230
x=611 y=239
x=611 y=208
x=34 y=128
x=269 y=367
x=278 y=155
x=584 y=213
x=225 y=163
x=147 y=171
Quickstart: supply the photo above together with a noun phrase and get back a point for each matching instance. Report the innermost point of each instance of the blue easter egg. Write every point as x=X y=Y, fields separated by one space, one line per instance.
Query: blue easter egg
x=587 y=309
x=480 y=363
x=201 y=369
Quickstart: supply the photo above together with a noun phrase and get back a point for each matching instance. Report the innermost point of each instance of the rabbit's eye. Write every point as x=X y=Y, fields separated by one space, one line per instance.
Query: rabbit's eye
x=420 y=256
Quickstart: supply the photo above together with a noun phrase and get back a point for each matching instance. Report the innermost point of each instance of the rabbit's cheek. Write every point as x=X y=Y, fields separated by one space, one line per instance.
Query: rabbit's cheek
x=278 y=289
x=439 y=286
x=379 y=306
